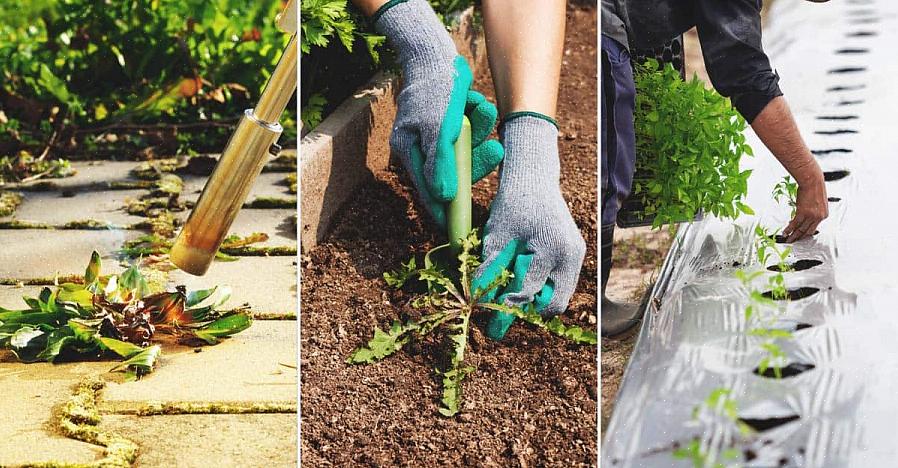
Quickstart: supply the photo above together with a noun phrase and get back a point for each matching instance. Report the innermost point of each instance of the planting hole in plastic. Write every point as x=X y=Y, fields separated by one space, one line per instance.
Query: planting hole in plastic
x=841 y=131
x=846 y=88
x=794 y=294
x=800 y=265
x=766 y=424
x=790 y=370
x=833 y=199
x=831 y=151
x=837 y=117
x=851 y=51
x=861 y=34
x=850 y=102
x=847 y=70
x=831 y=176
x=863 y=21
x=781 y=239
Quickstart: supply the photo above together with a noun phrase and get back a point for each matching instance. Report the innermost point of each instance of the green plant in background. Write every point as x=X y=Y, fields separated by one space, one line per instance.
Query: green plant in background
x=174 y=70
x=787 y=190
x=117 y=316
x=333 y=32
x=689 y=143
x=718 y=404
x=448 y=305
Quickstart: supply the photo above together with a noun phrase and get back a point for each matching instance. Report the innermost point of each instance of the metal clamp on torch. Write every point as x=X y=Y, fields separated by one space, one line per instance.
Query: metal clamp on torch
x=241 y=162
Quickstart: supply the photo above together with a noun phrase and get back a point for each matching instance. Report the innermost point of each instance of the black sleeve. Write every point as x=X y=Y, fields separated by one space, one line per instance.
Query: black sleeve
x=730 y=36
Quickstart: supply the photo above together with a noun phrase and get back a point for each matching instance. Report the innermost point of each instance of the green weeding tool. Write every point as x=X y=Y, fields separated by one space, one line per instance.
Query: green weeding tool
x=459 y=213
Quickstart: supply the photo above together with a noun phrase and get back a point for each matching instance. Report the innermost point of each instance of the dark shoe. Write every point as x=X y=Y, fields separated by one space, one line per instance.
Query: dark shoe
x=617 y=318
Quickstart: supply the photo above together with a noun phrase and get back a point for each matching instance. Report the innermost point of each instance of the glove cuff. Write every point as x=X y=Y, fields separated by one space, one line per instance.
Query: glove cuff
x=531 y=150
x=514 y=115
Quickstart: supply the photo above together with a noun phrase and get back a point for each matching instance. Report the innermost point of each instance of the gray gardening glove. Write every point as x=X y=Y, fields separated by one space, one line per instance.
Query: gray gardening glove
x=435 y=96
x=530 y=231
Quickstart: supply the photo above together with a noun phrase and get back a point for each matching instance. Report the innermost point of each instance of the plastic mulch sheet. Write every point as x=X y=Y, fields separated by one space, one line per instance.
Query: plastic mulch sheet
x=836 y=404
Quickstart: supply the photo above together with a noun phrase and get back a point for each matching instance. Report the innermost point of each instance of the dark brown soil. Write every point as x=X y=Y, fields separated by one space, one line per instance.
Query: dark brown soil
x=532 y=399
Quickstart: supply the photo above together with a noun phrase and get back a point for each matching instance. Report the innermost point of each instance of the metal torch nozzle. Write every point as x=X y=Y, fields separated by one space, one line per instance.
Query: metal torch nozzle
x=241 y=162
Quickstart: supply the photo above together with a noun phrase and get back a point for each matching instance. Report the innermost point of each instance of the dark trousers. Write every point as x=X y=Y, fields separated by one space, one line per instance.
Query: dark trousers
x=618 y=139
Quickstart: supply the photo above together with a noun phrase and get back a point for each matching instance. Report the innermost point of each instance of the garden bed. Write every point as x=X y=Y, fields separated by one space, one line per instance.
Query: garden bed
x=533 y=398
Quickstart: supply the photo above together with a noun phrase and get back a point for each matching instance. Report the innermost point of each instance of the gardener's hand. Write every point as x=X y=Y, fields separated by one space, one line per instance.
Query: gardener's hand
x=435 y=96
x=811 y=205
x=530 y=231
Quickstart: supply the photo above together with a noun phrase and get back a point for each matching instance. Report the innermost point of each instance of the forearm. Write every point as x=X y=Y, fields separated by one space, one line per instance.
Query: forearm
x=777 y=129
x=525 y=41
x=368 y=7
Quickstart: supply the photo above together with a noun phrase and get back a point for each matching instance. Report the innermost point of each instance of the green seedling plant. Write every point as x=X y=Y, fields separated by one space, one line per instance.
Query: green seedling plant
x=756 y=299
x=767 y=248
x=787 y=190
x=116 y=316
x=448 y=305
x=689 y=140
x=775 y=357
x=718 y=404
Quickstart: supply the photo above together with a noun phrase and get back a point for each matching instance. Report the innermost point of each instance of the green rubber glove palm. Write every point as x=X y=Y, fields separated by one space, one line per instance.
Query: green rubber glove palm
x=436 y=94
x=425 y=142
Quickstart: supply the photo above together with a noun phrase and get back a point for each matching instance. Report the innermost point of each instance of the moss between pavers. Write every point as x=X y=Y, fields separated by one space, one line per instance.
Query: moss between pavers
x=271 y=203
x=79 y=418
x=282 y=163
x=9 y=201
x=250 y=251
x=81 y=224
x=44 y=281
x=273 y=315
x=172 y=408
x=152 y=170
x=291 y=182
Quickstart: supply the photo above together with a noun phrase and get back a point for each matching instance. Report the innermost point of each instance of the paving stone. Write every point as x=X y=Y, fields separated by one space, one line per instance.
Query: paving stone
x=55 y=209
x=94 y=174
x=268 y=184
x=201 y=441
x=39 y=253
x=31 y=392
x=248 y=367
x=267 y=284
x=11 y=296
x=275 y=222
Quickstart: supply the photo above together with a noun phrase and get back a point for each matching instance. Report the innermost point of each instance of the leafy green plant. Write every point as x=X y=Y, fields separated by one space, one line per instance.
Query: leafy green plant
x=448 y=305
x=141 y=71
x=689 y=141
x=115 y=316
x=756 y=299
x=24 y=167
x=787 y=190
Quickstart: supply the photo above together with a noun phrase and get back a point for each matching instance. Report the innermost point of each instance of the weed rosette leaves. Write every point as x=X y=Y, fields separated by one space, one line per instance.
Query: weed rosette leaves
x=116 y=316
x=446 y=307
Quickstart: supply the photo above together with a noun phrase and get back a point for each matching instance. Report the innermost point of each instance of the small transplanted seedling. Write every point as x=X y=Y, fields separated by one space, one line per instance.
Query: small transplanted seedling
x=786 y=189
x=756 y=299
x=775 y=358
x=766 y=248
x=718 y=405
x=448 y=305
